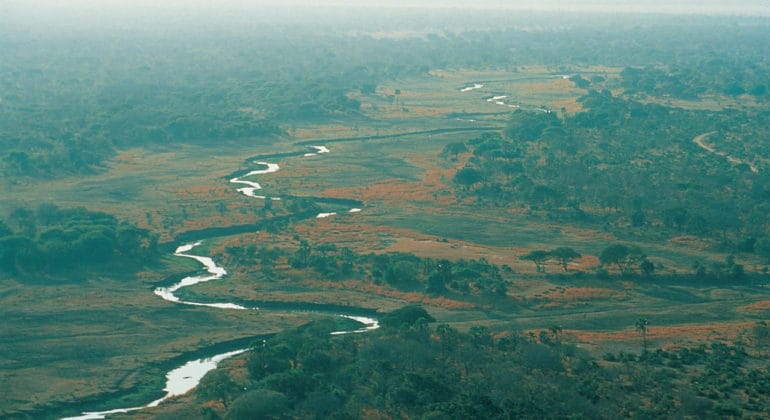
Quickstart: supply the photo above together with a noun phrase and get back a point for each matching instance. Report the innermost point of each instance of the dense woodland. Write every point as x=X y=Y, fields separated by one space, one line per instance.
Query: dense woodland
x=49 y=242
x=627 y=166
x=415 y=369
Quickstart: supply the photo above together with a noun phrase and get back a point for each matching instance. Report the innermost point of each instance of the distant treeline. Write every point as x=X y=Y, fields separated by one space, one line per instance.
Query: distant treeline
x=53 y=241
x=65 y=107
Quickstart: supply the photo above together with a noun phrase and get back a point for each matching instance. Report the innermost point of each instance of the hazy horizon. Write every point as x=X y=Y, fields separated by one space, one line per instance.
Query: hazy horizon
x=65 y=17
x=59 y=10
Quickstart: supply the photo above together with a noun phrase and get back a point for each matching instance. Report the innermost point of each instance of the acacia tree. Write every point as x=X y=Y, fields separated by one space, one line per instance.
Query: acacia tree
x=623 y=257
x=539 y=257
x=564 y=255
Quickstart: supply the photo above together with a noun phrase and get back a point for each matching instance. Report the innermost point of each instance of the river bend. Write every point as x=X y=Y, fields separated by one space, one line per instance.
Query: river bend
x=183 y=379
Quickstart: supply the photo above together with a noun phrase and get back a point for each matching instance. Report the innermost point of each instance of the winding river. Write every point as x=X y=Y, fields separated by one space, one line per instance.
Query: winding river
x=186 y=377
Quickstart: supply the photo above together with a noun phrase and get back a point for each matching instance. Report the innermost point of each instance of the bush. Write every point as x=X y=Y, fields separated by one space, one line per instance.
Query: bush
x=406 y=317
x=258 y=404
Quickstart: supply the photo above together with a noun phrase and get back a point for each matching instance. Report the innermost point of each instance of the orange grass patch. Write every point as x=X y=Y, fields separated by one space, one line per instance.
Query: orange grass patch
x=558 y=85
x=361 y=237
x=394 y=191
x=586 y=262
x=681 y=334
x=217 y=221
x=571 y=105
x=762 y=305
x=432 y=188
x=689 y=241
x=382 y=239
x=128 y=160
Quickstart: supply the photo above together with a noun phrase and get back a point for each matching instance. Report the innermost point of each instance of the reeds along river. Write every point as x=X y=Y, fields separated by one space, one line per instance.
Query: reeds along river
x=181 y=380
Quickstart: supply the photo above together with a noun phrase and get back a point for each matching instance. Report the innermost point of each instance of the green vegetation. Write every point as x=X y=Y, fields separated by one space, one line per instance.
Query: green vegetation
x=563 y=255
x=51 y=241
x=533 y=191
x=401 y=271
x=611 y=166
x=418 y=369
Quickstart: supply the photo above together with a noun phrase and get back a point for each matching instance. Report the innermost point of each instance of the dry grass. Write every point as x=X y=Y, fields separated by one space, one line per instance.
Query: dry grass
x=667 y=336
x=756 y=307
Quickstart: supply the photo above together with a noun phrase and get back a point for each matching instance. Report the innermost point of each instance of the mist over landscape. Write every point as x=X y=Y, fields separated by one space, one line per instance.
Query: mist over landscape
x=371 y=209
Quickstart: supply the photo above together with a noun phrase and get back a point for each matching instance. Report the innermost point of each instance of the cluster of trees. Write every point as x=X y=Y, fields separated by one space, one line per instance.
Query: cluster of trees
x=562 y=255
x=718 y=272
x=630 y=260
x=720 y=376
x=51 y=240
x=625 y=166
x=402 y=271
x=465 y=277
x=415 y=369
x=626 y=259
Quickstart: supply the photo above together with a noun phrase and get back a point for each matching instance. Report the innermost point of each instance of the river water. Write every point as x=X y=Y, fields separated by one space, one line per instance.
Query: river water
x=186 y=377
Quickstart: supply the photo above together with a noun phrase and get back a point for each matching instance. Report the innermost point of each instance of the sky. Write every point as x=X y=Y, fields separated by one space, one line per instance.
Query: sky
x=42 y=14
x=68 y=7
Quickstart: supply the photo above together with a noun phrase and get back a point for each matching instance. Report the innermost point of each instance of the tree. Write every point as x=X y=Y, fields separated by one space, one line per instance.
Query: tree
x=647 y=267
x=556 y=331
x=301 y=256
x=528 y=126
x=539 y=257
x=564 y=255
x=622 y=256
x=454 y=149
x=401 y=274
x=641 y=327
x=468 y=176
x=761 y=336
x=677 y=217
x=406 y=316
